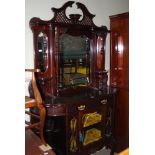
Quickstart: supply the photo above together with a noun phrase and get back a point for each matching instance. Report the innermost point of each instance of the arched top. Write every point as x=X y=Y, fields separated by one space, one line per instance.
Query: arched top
x=60 y=17
x=64 y=7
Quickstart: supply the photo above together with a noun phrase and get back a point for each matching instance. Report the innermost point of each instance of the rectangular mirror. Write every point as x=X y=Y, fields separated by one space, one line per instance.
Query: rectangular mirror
x=74 y=60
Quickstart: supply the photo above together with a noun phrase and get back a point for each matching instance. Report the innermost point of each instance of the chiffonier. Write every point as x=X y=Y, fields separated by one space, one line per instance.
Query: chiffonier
x=70 y=52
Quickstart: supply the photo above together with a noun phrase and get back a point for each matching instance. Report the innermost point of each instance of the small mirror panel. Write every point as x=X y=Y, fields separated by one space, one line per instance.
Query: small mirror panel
x=42 y=44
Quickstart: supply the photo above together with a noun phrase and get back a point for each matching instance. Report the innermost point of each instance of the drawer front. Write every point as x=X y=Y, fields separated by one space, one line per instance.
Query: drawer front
x=56 y=109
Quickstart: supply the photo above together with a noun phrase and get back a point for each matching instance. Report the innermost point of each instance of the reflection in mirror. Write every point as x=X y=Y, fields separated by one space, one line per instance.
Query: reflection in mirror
x=74 y=61
x=42 y=51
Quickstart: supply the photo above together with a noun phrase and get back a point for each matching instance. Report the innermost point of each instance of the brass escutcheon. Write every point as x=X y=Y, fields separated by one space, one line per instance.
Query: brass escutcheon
x=104 y=101
x=81 y=107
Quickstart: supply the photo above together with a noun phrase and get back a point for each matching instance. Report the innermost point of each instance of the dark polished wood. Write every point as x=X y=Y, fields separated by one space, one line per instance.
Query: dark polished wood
x=119 y=75
x=49 y=78
x=32 y=143
x=69 y=107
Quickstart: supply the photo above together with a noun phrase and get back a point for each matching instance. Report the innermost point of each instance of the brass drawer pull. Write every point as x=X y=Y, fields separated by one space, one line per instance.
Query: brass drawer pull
x=104 y=101
x=81 y=107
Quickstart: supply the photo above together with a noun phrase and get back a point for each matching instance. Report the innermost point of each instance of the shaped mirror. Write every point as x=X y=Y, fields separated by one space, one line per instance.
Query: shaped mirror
x=42 y=44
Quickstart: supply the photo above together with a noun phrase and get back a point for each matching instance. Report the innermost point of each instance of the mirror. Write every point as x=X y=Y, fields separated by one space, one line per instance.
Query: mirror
x=42 y=51
x=74 y=60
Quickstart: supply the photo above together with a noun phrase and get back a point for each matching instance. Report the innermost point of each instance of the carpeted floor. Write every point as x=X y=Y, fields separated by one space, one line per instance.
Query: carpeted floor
x=103 y=152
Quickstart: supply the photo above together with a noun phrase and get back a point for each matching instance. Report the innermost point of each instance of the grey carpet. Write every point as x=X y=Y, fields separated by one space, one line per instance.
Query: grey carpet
x=103 y=152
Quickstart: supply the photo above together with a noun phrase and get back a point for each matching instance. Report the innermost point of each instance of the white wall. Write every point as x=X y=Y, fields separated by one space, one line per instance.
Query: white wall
x=42 y=9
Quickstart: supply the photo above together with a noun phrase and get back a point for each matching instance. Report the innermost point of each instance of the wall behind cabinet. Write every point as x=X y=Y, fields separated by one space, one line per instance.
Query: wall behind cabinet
x=42 y=9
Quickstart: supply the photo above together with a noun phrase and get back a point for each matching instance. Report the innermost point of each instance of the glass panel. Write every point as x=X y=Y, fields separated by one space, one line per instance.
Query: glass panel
x=74 y=60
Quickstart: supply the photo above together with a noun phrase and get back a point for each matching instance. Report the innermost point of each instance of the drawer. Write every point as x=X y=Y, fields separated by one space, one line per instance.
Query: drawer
x=56 y=109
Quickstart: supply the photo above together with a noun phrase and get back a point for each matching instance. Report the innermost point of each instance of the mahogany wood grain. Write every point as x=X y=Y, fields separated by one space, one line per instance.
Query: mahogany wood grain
x=62 y=103
x=119 y=75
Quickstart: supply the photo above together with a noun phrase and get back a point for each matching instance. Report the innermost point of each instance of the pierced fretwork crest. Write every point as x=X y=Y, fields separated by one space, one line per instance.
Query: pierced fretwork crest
x=60 y=15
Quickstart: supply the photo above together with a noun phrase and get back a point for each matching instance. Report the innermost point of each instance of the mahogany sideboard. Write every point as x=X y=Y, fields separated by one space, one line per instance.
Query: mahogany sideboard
x=70 y=52
x=81 y=123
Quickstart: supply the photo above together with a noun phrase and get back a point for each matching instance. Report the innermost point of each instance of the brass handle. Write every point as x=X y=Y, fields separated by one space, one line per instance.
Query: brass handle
x=81 y=107
x=104 y=101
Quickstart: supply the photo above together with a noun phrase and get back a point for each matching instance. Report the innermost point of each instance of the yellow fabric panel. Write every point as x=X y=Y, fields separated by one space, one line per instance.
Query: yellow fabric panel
x=91 y=136
x=91 y=118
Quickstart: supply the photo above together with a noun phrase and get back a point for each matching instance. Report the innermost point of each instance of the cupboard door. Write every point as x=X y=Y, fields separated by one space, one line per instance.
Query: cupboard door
x=119 y=64
x=119 y=75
